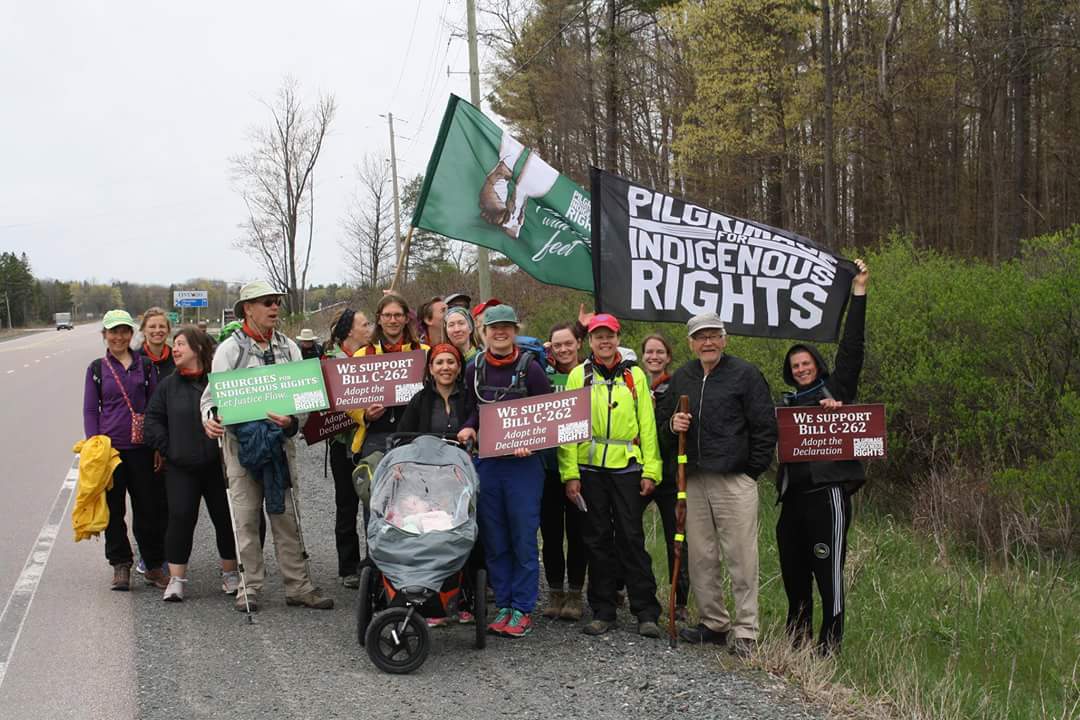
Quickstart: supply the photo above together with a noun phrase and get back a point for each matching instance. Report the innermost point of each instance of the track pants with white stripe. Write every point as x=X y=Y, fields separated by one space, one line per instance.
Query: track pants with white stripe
x=812 y=537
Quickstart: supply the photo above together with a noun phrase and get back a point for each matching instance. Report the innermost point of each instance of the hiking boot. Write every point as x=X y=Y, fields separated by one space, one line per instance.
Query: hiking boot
x=230 y=582
x=121 y=577
x=573 y=606
x=743 y=647
x=465 y=618
x=312 y=600
x=157 y=577
x=556 y=600
x=598 y=627
x=350 y=581
x=175 y=591
x=501 y=618
x=520 y=625
x=648 y=628
x=703 y=634
x=243 y=606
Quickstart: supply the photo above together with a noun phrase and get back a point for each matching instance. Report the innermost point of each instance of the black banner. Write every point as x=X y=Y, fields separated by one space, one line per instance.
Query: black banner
x=658 y=257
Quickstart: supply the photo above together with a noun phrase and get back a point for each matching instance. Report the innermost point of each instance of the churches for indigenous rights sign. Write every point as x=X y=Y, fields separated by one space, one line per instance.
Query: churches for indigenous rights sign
x=536 y=423
x=660 y=258
x=850 y=432
x=282 y=389
x=484 y=187
x=386 y=380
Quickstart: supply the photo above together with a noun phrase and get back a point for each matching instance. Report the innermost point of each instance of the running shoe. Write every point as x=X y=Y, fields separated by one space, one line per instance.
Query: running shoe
x=230 y=582
x=499 y=626
x=520 y=625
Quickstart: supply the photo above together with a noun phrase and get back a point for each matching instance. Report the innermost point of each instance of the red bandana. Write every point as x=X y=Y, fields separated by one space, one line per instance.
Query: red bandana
x=255 y=335
x=188 y=372
x=664 y=377
x=165 y=352
x=496 y=361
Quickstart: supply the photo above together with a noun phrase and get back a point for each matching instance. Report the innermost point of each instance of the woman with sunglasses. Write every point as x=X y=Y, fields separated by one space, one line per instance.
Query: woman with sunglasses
x=350 y=331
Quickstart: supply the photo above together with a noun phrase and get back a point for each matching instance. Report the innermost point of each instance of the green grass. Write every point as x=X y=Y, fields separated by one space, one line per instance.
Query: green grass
x=933 y=633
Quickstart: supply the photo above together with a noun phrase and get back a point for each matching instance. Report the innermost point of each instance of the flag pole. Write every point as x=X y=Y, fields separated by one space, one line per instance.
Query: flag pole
x=401 y=259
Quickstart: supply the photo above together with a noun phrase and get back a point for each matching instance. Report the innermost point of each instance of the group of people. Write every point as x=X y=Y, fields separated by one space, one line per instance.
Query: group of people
x=586 y=500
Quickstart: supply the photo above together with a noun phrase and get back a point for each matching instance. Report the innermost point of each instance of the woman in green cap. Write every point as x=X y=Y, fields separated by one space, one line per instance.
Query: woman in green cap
x=117 y=392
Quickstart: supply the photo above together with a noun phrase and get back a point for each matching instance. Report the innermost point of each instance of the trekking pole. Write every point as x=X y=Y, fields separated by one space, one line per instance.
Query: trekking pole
x=232 y=523
x=680 y=526
x=296 y=514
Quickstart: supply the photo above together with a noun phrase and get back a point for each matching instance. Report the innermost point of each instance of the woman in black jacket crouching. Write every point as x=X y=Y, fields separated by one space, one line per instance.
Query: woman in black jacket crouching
x=192 y=462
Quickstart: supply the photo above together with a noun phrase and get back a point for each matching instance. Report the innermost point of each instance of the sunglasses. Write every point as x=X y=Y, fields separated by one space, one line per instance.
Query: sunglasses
x=270 y=301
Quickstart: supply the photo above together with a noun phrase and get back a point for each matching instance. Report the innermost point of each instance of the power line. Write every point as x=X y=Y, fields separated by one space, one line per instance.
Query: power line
x=408 y=48
x=522 y=66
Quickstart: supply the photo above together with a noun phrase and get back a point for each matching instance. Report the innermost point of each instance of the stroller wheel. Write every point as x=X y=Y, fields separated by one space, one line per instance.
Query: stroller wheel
x=396 y=646
x=480 y=608
x=364 y=605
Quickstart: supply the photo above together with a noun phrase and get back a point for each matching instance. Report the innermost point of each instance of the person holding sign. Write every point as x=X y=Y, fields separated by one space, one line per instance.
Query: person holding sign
x=256 y=344
x=393 y=333
x=508 y=507
x=608 y=477
x=350 y=331
x=815 y=497
x=730 y=440
x=557 y=513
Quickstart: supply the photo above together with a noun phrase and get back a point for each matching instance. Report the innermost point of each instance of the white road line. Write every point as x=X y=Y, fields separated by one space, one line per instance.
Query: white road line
x=26 y=365
x=17 y=607
x=10 y=371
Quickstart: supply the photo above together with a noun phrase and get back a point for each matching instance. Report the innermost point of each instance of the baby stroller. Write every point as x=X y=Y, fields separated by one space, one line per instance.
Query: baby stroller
x=421 y=531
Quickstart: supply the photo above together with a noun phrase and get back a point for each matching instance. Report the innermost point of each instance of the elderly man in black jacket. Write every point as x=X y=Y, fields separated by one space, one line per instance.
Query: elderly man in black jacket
x=812 y=531
x=730 y=441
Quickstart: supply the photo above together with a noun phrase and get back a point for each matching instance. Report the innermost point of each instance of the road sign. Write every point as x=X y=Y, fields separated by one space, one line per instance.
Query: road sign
x=190 y=298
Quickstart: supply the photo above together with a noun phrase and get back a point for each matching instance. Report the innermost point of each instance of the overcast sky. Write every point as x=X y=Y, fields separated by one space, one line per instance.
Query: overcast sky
x=119 y=119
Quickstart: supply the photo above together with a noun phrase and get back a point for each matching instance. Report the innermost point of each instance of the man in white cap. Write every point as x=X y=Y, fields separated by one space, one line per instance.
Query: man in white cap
x=255 y=344
x=730 y=441
x=310 y=347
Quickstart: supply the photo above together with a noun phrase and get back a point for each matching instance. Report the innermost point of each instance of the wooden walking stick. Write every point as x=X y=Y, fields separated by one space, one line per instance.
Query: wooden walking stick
x=680 y=526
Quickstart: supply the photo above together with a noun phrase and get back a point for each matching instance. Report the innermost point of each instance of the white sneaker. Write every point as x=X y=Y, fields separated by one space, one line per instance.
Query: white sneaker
x=230 y=582
x=175 y=590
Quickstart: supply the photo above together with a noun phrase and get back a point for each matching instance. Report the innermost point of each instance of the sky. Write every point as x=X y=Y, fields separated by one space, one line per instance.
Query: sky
x=119 y=119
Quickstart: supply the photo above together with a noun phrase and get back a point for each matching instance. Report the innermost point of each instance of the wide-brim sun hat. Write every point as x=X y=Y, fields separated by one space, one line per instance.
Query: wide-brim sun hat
x=306 y=335
x=253 y=291
x=116 y=318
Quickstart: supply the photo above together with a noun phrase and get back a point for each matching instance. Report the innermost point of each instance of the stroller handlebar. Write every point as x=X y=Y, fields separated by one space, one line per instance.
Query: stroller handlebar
x=402 y=438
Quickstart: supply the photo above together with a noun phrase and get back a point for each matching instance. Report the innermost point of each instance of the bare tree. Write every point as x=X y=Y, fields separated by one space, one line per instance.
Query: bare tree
x=369 y=225
x=275 y=180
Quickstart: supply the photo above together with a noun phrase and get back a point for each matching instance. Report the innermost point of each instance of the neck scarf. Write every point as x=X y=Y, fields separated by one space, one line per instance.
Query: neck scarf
x=496 y=361
x=664 y=377
x=188 y=372
x=165 y=352
x=254 y=334
x=392 y=347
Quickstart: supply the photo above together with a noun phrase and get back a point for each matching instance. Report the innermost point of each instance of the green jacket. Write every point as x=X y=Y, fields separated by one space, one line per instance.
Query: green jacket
x=622 y=428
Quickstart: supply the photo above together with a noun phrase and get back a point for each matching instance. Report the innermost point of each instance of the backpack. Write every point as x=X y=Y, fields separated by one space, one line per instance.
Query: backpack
x=627 y=373
x=147 y=368
x=515 y=390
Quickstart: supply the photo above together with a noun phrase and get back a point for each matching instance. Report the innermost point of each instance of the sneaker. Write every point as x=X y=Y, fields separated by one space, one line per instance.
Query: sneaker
x=230 y=582
x=157 y=577
x=520 y=625
x=649 y=629
x=121 y=577
x=556 y=600
x=702 y=634
x=312 y=600
x=175 y=591
x=598 y=627
x=350 y=581
x=242 y=606
x=743 y=647
x=501 y=618
x=140 y=567
x=465 y=618
x=434 y=622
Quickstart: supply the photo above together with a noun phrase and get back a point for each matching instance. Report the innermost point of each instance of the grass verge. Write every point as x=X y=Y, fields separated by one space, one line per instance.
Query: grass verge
x=929 y=633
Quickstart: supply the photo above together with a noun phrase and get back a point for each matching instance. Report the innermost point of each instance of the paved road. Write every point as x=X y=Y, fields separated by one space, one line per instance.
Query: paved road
x=86 y=652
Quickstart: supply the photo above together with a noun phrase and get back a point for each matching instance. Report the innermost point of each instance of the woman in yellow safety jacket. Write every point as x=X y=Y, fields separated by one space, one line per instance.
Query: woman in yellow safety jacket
x=610 y=475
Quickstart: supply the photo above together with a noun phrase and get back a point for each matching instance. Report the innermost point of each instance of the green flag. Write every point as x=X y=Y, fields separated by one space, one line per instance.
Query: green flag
x=484 y=187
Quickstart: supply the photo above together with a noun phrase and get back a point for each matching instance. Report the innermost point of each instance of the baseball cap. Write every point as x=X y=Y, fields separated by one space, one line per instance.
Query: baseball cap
x=603 y=320
x=479 y=309
x=500 y=314
x=705 y=321
x=458 y=297
x=115 y=318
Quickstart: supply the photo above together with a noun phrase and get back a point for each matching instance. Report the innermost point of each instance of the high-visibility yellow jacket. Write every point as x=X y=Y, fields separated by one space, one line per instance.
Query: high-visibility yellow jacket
x=97 y=461
x=623 y=428
x=358 y=413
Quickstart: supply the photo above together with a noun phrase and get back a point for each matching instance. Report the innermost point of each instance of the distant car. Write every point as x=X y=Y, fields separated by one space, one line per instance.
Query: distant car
x=63 y=321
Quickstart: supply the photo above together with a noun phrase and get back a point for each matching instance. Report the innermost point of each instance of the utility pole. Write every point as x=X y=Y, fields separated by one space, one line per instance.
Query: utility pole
x=397 y=201
x=7 y=302
x=482 y=261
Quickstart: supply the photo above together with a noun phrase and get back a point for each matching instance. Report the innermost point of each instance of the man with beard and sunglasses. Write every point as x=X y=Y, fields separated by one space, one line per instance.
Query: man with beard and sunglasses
x=255 y=344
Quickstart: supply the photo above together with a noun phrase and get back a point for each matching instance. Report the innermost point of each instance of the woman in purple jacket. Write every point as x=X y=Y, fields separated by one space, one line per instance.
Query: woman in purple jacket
x=118 y=389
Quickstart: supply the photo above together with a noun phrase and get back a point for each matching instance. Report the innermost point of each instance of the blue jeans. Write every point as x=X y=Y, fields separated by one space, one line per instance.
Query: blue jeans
x=509 y=516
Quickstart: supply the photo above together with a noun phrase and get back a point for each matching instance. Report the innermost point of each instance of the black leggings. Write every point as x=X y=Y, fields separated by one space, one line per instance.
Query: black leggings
x=347 y=507
x=184 y=487
x=556 y=512
x=135 y=476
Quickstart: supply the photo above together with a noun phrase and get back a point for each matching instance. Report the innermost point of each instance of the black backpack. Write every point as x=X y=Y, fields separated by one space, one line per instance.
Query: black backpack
x=515 y=390
x=147 y=368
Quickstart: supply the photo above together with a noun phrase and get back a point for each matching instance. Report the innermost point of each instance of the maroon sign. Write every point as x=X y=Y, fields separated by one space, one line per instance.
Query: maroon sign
x=386 y=380
x=536 y=423
x=850 y=432
x=325 y=423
